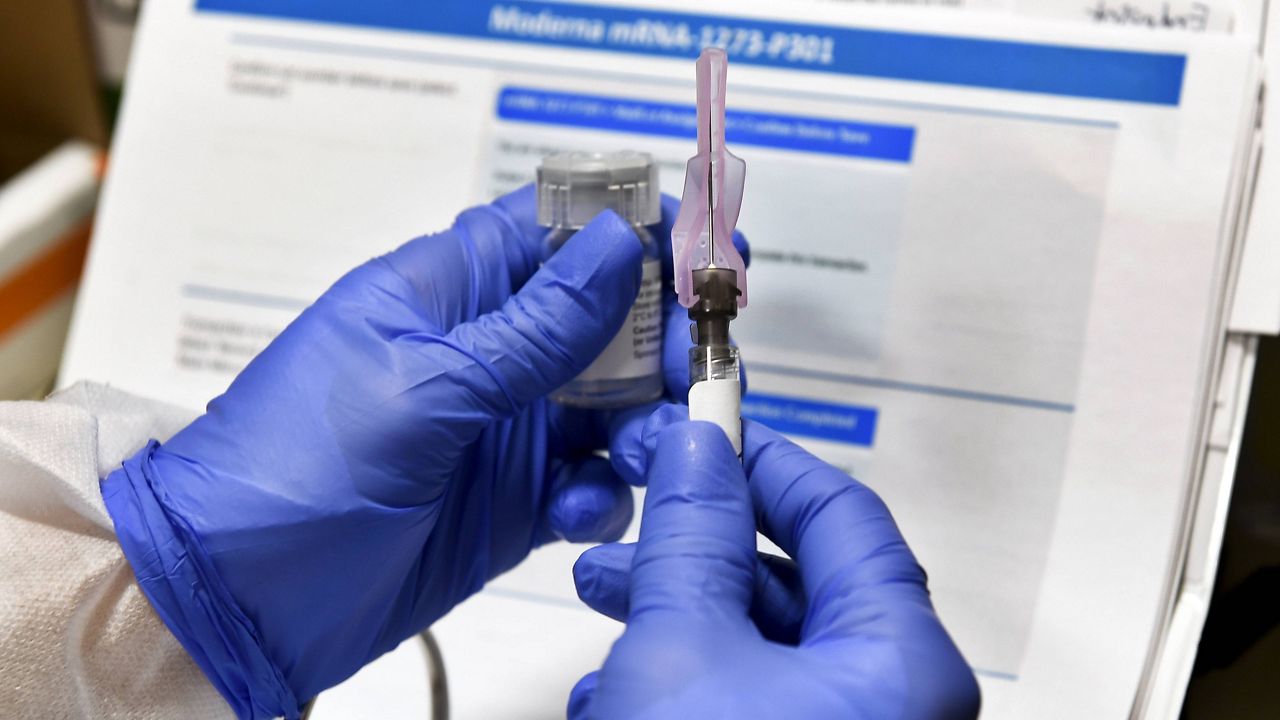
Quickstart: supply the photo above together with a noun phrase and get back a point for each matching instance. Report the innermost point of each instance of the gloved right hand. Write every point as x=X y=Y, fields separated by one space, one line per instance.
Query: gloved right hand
x=707 y=623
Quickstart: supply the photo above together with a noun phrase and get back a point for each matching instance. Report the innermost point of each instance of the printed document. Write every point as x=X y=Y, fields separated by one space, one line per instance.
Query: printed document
x=989 y=260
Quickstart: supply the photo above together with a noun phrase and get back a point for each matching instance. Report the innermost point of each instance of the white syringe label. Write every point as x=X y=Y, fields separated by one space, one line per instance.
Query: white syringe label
x=719 y=402
x=636 y=351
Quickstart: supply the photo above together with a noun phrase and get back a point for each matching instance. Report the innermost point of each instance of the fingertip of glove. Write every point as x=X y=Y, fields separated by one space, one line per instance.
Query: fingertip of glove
x=576 y=519
x=580 y=697
x=521 y=205
x=665 y=415
x=626 y=442
x=743 y=247
x=607 y=558
x=603 y=263
x=601 y=577
x=611 y=237
x=591 y=512
x=634 y=436
x=584 y=573
x=700 y=442
x=587 y=570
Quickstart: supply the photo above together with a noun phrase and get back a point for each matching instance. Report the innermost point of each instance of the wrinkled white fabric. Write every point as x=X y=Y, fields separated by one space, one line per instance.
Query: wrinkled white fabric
x=77 y=637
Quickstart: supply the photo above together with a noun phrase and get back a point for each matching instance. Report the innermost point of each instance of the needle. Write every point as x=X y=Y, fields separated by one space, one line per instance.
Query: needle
x=713 y=185
x=711 y=225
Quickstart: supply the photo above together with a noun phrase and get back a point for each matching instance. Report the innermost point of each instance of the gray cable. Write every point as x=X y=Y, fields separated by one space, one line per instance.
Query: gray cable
x=437 y=681
x=436 y=678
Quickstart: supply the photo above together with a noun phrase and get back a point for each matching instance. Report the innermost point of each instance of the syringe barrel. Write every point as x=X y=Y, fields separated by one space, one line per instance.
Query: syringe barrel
x=713 y=362
x=715 y=388
x=713 y=358
x=715 y=393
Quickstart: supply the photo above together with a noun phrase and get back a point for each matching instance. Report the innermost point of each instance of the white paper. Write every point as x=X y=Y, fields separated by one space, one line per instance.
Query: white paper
x=1257 y=301
x=1024 y=310
x=1177 y=653
x=1195 y=16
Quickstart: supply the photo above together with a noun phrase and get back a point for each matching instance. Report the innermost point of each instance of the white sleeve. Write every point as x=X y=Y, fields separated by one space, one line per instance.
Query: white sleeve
x=78 y=639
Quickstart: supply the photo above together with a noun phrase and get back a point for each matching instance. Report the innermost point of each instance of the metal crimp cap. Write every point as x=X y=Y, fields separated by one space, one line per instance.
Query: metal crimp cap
x=573 y=188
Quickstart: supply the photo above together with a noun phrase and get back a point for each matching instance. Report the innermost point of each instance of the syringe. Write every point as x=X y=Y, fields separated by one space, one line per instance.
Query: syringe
x=710 y=277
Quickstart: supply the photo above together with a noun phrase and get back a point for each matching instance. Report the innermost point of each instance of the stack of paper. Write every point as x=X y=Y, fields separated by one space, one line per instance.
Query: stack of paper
x=995 y=250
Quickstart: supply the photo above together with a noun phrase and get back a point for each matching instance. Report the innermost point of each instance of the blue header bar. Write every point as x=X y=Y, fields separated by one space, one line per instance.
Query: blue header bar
x=788 y=132
x=848 y=424
x=1141 y=77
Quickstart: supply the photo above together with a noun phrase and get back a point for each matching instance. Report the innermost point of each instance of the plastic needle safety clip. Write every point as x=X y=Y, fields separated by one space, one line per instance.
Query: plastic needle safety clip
x=710 y=277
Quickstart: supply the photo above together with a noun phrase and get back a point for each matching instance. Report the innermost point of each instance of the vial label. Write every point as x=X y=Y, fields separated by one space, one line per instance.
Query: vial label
x=636 y=351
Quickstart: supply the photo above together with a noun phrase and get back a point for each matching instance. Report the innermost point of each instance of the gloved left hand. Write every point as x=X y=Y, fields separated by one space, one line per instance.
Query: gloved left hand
x=385 y=456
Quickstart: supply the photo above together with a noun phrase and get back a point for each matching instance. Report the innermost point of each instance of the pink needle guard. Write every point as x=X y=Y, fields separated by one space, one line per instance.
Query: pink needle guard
x=702 y=234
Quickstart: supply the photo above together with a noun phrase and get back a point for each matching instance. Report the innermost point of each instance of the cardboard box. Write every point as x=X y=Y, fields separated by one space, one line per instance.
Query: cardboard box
x=49 y=90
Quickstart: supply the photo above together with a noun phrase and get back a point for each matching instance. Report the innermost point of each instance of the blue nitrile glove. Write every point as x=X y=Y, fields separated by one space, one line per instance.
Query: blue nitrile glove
x=869 y=644
x=385 y=456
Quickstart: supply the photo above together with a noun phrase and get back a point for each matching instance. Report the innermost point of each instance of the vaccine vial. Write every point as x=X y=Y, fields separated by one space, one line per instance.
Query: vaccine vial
x=572 y=189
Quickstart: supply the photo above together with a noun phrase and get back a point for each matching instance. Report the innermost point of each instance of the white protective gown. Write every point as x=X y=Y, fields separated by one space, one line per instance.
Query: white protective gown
x=77 y=637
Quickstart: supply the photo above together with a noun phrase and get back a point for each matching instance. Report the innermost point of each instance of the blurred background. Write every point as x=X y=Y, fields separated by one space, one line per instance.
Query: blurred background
x=62 y=70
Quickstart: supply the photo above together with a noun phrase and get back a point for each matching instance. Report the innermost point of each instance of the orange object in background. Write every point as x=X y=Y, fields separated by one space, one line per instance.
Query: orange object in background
x=45 y=279
x=46 y=218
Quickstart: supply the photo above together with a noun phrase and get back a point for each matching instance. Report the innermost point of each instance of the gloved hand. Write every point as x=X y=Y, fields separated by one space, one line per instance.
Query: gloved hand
x=386 y=455
x=713 y=632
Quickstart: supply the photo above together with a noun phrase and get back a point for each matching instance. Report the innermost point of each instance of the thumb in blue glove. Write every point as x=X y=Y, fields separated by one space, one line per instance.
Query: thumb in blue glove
x=384 y=457
x=869 y=645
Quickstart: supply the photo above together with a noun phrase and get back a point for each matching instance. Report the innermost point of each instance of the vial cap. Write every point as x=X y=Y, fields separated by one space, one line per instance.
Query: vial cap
x=574 y=187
